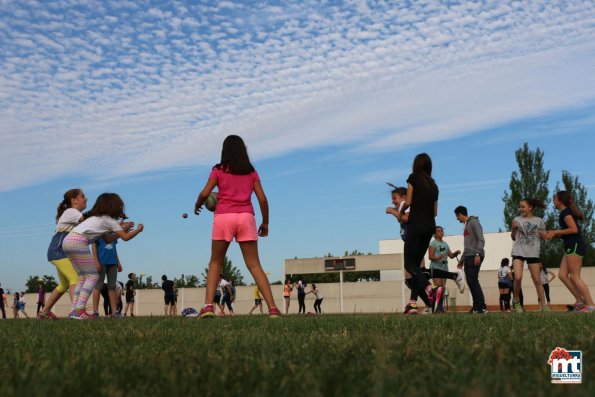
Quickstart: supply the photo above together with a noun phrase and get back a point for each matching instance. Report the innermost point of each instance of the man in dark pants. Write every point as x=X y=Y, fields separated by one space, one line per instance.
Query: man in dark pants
x=473 y=256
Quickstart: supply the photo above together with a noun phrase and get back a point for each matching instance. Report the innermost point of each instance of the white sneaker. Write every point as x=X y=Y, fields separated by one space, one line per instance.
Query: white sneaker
x=460 y=280
x=427 y=311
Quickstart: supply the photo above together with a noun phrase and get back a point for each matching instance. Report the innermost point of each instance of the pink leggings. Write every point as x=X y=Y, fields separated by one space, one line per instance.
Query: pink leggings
x=77 y=249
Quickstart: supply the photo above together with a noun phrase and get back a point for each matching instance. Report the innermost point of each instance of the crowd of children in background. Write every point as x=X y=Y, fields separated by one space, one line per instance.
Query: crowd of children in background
x=83 y=248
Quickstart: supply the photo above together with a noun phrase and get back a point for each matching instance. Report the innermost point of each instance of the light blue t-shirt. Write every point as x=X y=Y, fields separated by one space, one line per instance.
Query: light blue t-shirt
x=106 y=253
x=440 y=249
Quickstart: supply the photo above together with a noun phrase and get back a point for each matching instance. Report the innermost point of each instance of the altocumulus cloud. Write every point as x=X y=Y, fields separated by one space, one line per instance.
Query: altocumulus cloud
x=122 y=87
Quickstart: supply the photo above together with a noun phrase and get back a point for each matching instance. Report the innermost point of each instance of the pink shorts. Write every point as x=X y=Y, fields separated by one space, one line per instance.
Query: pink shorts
x=241 y=225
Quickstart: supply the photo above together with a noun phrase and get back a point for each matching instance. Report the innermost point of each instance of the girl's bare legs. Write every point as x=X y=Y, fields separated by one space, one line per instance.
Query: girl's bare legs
x=218 y=251
x=575 y=264
x=287 y=300
x=250 y=253
x=535 y=269
x=564 y=276
x=518 y=277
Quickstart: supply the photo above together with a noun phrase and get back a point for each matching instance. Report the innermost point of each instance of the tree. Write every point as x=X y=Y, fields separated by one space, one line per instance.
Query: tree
x=229 y=271
x=531 y=181
x=586 y=206
x=49 y=283
x=189 y=281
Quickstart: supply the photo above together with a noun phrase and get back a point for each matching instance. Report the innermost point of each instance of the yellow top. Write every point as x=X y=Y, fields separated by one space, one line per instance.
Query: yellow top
x=257 y=293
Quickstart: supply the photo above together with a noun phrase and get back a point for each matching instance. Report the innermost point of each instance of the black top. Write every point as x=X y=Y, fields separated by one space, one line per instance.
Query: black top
x=425 y=194
x=168 y=287
x=129 y=285
x=570 y=239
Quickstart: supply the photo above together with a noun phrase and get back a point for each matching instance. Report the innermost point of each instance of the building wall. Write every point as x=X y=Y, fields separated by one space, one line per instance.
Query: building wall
x=364 y=297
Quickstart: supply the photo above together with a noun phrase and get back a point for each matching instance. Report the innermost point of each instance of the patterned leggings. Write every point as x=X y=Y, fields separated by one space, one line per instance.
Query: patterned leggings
x=77 y=249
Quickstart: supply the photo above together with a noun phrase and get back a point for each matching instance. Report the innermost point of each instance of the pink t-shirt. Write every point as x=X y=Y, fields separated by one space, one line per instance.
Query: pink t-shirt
x=235 y=191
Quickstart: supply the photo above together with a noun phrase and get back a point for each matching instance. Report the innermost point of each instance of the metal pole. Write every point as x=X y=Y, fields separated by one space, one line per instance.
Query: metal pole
x=341 y=288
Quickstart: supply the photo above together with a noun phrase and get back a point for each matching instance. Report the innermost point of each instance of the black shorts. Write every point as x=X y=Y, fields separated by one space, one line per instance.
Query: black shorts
x=129 y=298
x=529 y=261
x=257 y=302
x=217 y=299
x=170 y=299
x=577 y=249
x=502 y=284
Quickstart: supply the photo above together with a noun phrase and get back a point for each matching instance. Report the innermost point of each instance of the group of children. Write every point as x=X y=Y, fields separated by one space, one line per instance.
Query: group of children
x=300 y=287
x=81 y=269
x=527 y=231
x=79 y=266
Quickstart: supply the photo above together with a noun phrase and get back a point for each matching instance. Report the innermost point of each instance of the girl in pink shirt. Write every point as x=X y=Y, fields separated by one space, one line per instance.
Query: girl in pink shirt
x=236 y=179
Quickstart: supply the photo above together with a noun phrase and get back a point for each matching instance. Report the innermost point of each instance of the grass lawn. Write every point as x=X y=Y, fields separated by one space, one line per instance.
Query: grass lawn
x=330 y=355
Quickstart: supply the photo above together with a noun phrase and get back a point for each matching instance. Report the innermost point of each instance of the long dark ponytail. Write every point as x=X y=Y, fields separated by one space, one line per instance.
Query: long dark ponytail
x=566 y=198
x=67 y=202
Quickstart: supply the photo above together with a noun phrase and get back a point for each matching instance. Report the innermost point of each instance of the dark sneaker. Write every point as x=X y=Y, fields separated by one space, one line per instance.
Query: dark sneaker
x=481 y=311
x=206 y=312
x=96 y=315
x=410 y=310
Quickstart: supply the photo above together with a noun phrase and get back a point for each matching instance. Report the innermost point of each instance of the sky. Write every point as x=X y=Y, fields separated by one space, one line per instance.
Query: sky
x=332 y=98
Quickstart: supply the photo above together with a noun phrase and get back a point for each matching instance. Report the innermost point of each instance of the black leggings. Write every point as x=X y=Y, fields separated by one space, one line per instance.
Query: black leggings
x=302 y=303
x=546 y=289
x=317 y=303
x=416 y=245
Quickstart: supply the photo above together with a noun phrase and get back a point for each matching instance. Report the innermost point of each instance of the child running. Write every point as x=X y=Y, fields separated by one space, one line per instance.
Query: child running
x=103 y=219
x=68 y=216
x=422 y=197
x=257 y=300
x=527 y=230
x=236 y=179
x=574 y=251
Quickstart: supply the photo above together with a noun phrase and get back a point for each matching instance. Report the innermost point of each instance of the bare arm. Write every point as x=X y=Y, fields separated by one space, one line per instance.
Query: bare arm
x=409 y=198
x=263 y=230
x=431 y=252
x=571 y=229
x=130 y=235
x=204 y=195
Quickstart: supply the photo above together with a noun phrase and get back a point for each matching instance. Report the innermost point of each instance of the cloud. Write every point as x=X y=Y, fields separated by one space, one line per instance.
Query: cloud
x=85 y=94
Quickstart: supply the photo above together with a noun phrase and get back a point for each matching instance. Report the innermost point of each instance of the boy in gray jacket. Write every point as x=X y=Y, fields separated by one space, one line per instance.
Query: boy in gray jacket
x=473 y=256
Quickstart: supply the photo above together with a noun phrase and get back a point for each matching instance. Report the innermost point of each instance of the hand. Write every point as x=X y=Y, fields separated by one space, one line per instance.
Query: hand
x=392 y=211
x=550 y=235
x=127 y=226
x=477 y=260
x=98 y=266
x=140 y=227
x=460 y=265
x=515 y=224
x=119 y=268
x=263 y=230
x=197 y=208
x=457 y=253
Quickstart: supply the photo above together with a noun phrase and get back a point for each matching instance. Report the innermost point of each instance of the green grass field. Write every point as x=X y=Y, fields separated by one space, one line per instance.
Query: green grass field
x=329 y=355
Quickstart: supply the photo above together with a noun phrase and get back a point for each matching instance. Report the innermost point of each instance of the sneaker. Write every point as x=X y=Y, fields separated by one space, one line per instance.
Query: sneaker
x=410 y=310
x=460 y=280
x=517 y=307
x=438 y=294
x=81 y=315
x=206 y=312
x=481 y=311
x=585 y=309
x=427 y=310
x=46 y=316
x=274 y=312
x=96 y=315
x=221 y=314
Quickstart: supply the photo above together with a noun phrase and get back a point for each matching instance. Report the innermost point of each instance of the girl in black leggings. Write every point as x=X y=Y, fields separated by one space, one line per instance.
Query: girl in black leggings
x=422 y=197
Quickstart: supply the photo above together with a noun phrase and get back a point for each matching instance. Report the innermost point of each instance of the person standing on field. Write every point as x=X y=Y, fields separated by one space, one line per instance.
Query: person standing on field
x=473 y=256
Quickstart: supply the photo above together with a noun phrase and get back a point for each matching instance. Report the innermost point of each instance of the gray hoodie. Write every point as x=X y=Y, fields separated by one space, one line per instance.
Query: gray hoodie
x=474 y=240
